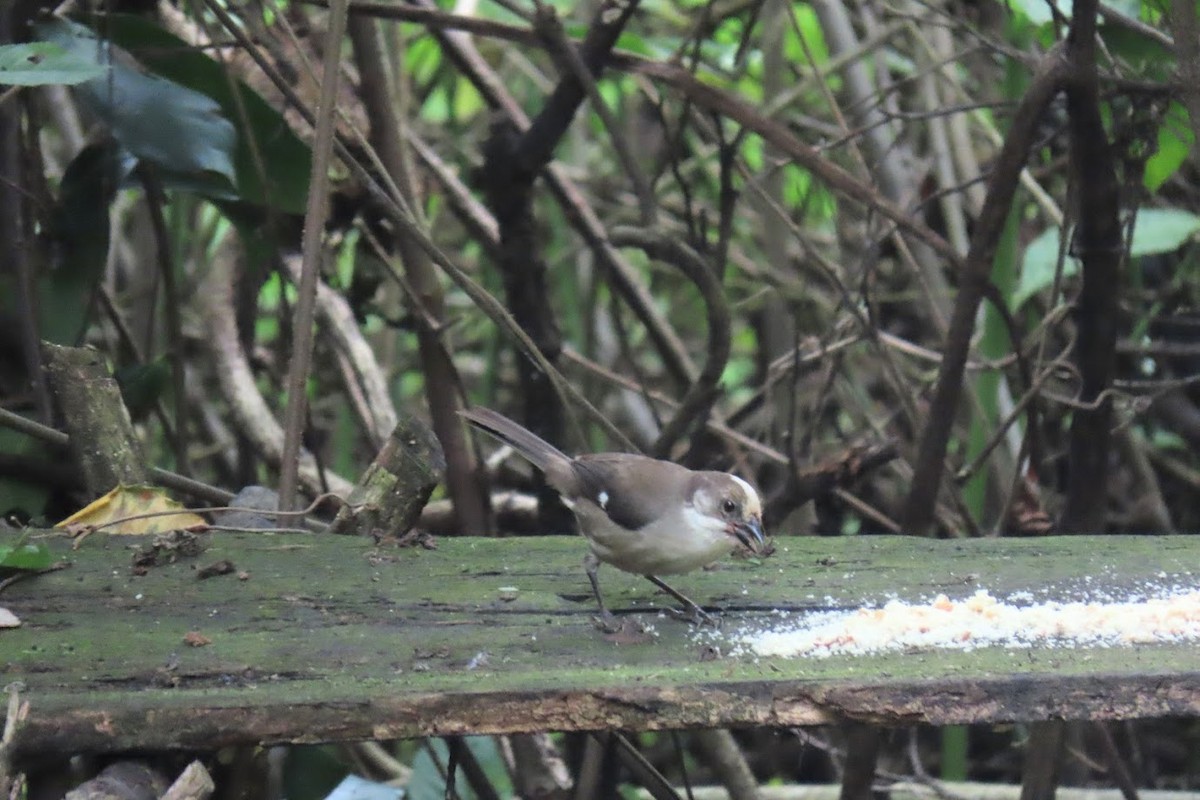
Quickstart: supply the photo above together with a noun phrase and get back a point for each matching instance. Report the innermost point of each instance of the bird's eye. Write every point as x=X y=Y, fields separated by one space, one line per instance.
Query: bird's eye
x=728 y=506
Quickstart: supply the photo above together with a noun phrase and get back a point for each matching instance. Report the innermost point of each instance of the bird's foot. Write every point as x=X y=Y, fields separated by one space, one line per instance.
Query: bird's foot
x=695 y=615
x=606 y=622
x=622 y=630
x=691 y=612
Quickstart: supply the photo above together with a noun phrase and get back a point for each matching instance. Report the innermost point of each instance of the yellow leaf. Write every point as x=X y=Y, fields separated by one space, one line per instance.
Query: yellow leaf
x=113 y=511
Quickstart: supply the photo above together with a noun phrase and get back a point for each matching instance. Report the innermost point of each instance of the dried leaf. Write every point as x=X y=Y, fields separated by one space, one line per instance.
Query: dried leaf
x=129 y=504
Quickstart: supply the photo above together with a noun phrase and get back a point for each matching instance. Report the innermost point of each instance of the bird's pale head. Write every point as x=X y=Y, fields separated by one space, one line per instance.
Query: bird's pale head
x=728 y=503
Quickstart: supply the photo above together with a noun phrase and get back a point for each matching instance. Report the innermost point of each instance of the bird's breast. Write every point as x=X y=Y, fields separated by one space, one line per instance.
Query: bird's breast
x=663 y=547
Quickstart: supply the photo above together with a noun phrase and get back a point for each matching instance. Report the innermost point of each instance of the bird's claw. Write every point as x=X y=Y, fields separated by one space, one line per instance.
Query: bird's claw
x=606 y=622
x=621 y=629
x=695 y=615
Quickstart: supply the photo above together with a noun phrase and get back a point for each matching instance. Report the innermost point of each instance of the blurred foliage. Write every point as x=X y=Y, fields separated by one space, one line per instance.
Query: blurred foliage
x=803 y=267
x=43 y=63
x=25 y=555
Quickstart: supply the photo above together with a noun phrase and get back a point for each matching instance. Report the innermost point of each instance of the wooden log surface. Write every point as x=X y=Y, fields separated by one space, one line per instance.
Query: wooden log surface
x=318 y=638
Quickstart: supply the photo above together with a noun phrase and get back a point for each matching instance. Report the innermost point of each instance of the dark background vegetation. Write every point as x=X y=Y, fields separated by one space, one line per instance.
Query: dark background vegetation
x=914 y=266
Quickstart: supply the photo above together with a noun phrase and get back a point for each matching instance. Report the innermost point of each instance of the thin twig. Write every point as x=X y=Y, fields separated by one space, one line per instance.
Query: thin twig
x=312 y=247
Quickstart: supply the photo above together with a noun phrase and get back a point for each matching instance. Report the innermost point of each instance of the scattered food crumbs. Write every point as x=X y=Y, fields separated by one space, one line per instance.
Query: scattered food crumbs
x=1162 y=615
x=508 y=593
x=196 y=639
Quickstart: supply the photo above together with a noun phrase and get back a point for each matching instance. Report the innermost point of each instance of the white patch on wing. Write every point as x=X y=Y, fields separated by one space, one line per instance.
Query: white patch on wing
x=753 y=504
x=568 y=502
x=602 y=500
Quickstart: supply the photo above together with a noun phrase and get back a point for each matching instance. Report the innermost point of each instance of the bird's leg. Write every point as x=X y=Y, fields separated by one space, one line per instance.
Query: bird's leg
x=606 y=621
x=693 y=613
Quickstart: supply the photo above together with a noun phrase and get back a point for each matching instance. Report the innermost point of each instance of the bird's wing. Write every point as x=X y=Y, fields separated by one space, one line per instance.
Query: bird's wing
x=615 y=491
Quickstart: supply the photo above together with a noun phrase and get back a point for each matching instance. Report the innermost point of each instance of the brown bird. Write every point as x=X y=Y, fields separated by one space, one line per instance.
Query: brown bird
x=640 y=514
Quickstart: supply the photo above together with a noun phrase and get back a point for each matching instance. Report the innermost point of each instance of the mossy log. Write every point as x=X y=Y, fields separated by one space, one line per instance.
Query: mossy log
x=315 y=638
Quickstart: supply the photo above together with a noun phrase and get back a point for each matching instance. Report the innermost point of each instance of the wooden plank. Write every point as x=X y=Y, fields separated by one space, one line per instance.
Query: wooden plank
x=334 y=638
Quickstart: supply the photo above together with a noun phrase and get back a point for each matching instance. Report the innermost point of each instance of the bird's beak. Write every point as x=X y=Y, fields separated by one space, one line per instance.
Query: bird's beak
x=750 y=533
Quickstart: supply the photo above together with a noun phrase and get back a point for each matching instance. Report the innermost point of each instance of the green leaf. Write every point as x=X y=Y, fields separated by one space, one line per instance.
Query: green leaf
x=1038 y=11
x=79 y=232
x=468 y=102
x=44 y=63
x=808 y=26
x=311 y=772
x=422 y=59
x=25 y=556
x=797 y=183
x=436 y=109
x=142 y=385
x=272 y=164
x=633 y=42
x=752 y=152
x=1037 y=268
x=1157 y=230
x=1162 y=230
x=427 y=782
x=353 y=787
x=1143 y=54
x=1174 y=144
x=155 y=119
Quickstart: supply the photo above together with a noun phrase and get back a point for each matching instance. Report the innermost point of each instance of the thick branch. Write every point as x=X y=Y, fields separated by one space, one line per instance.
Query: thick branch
x=918 y=513
x=1098 y=246
x=464 y=478
x=514 y=160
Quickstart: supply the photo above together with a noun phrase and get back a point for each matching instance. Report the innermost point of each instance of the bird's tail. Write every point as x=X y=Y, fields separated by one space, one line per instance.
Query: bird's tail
x=540 y=453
